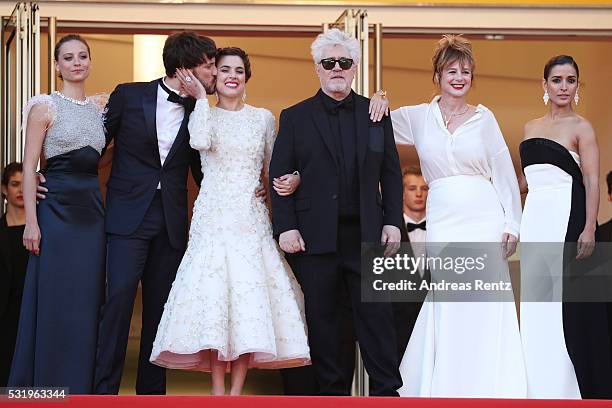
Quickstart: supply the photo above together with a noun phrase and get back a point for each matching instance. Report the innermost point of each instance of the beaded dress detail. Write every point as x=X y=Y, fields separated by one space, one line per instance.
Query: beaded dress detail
x=66 y=134
x=234 y=292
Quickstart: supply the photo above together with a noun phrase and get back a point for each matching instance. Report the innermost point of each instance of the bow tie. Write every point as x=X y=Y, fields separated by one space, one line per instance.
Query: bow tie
x=188 y=102
x=410 y=226
x=347 y=103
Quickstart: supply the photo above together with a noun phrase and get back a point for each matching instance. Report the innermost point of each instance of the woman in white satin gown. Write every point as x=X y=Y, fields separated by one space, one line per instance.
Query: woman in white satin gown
x=468 y=348
x=235 y=303
x=566 y=342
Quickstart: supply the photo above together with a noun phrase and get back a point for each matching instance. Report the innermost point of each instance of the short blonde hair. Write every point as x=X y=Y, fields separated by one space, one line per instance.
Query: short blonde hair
x=452 y=48
x=412 y=171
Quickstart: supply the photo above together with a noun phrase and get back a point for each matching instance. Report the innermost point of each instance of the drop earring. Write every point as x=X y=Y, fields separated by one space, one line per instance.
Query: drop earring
x=545 y=98
x=576 y=98
x=244 y=96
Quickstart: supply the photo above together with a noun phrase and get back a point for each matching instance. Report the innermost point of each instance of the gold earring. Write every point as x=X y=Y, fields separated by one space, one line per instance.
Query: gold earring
x=244 y=96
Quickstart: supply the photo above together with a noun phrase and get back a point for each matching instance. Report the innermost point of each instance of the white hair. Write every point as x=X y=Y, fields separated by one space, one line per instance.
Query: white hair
x=331 y=38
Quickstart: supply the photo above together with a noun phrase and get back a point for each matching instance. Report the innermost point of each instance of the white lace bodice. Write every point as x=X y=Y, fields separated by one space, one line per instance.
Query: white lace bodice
x=235 y=149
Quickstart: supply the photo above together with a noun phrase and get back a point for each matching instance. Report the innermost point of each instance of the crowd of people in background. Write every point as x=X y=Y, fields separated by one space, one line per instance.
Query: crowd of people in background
x=247 y=286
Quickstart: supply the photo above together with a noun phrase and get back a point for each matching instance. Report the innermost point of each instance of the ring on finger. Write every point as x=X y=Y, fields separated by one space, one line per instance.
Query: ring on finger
x=187 y=78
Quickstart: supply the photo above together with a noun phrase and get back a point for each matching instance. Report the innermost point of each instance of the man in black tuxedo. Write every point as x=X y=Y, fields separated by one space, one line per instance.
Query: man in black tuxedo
x=146 y=205
x=350 y=191
x=413 y=239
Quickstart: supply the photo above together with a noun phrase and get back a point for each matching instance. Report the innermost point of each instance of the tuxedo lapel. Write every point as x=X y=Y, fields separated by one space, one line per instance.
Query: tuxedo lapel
x=321 y=121
x=362 y=128
x=182 y=133
x=149 y=106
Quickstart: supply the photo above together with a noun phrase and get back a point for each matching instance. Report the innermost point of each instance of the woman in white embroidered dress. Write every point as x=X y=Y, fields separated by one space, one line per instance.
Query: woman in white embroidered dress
x=235 y=303
x=472 y=347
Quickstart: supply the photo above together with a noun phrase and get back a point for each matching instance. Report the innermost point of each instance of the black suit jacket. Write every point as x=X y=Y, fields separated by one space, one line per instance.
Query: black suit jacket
x=404 y=232
x=605 y=231
x=304 y=143
x=137 y=169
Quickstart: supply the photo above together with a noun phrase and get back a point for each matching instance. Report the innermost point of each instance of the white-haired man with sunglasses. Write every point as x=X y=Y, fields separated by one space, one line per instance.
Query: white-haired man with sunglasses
x=343 y=158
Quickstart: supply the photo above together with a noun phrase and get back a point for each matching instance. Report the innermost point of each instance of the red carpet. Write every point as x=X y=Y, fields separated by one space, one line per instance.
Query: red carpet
x=294 y=402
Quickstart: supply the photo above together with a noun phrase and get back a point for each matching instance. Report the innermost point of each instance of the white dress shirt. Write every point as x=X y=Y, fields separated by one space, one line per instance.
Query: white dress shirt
x=168 y=119
x=418 y=239
x=477 y=147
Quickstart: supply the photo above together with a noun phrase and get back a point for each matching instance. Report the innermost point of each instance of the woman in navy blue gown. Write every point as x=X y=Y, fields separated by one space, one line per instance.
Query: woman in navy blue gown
x=57 y=335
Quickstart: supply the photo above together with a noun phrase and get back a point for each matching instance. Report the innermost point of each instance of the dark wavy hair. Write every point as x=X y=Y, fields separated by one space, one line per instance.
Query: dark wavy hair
x=187 y=49
x=239 y=52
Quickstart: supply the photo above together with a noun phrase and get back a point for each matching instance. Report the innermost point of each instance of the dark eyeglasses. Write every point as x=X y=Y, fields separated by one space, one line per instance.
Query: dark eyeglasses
x=330 y=63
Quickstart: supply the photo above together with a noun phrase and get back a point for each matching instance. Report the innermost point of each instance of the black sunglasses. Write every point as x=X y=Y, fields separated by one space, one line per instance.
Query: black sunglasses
x=330 y=63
